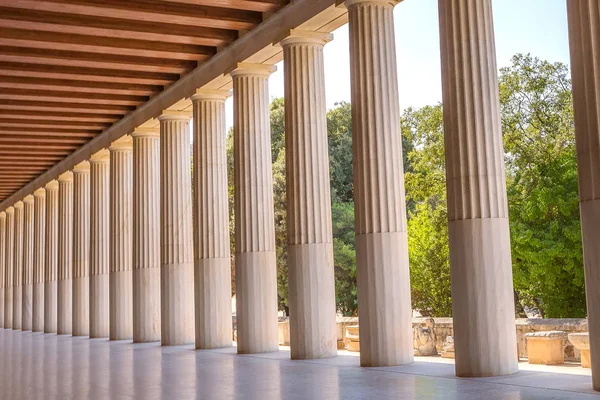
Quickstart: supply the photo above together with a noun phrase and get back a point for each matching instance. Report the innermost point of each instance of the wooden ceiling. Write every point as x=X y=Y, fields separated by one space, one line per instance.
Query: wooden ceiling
x=71 y=68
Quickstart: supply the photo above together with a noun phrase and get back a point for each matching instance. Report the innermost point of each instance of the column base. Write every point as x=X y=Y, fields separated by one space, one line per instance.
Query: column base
x=313 y=331
x=50 y=310
x=27 y=304
x=146 y=305
x=81 y=306
x=37 y=318
x=64 y=317
x=177 y=304
x=213 y=303
x=385 y=312
x=256 y=298
x=99 y=306
x=482 y=298
x=17 y=308
x=121 y=305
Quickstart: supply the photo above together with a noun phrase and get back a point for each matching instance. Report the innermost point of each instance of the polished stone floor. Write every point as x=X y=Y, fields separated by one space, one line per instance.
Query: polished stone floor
x=38 y=366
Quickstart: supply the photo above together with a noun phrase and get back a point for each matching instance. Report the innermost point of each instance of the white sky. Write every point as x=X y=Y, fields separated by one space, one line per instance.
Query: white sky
x=538 y=27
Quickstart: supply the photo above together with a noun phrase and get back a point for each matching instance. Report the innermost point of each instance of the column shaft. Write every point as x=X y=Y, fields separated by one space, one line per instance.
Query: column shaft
x=39 y=259
x=381 y=243
x=64 y=318
x=18 y=268
x=28 y=249
x=81 y=249
x=255 y=263
x=212 y=262
x=313 y=331
x=8 y=267
x=121 y=240
x=146 y=236
x=51 y=263
x=2 y=264
x=177 y=257
x=99 y=245
x=584 y=31
x=480 y=259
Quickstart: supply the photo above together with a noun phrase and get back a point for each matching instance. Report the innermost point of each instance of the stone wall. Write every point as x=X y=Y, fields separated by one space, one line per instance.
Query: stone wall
x=443 y=328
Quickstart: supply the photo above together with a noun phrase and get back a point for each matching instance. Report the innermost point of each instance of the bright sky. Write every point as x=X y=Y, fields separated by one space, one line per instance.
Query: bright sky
x=538 y=27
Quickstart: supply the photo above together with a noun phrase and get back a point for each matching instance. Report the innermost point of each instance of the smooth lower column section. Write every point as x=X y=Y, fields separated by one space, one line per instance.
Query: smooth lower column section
x=121 y=214
x=2 y=264
x=146 y=235
x=255 y=263
x=81 y=249
x=8 y=267
x=99 y=244
x=39 y=259
x=65 y=254
x=28 y=249
x=51 y=264
x=212 y=262
x=177 y=257
x=584 y=31
x=18 y=268
x=313 y=331
x=381 y=243
x=480 y=259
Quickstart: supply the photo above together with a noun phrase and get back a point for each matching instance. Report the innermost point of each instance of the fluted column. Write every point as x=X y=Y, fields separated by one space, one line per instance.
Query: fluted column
x=2 y=264
x=81 y=249
x=584 y=32
x=311 y=290
x=99 y=244
x=18 y=268
x=177 y=257
x=65 y=254
x=146 y=235
x=51 y=254
x=480 y=259
x=255 y=263
x=121 y=214
x=39 y=259
x=212 y=262
x=28 y=249
x=381 y=243
x=8 y=267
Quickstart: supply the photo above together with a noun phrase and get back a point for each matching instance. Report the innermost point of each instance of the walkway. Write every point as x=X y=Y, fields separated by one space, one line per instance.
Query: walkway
x=38 y=366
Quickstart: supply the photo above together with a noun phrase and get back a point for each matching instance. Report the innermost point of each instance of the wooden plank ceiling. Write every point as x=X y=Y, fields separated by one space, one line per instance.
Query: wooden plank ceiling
x=71 y=68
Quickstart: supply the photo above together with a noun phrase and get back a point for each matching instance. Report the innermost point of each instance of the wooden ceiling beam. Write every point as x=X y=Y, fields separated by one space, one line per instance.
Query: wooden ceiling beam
x=58 y=116
x=102 y=45
x=6 y=122
x=41 y=84
x=45 y=131
x=77 y=108
x=87 y=74
x=249 y=5
x=49 y=21
x=149 y=11
x=55 y=95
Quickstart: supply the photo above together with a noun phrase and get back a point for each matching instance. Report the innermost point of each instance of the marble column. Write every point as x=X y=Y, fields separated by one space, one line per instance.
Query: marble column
x=584 y=32
x=81 y=249
x=146 y=235
x=177 y=257
x=9 y=251
x=212 y=262
x=121 y=240
x=2 y=264
x=383 y=278
x=28 y=250
x=255 y=262
x=51 y=254
x=39 y=259
x=64 y=320
x=313 y=332
x=480 y=260
x=99 y=245
x=18 y=268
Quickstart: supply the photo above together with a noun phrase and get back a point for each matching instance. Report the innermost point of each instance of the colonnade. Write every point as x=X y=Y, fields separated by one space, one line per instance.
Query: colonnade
x=122 y=247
